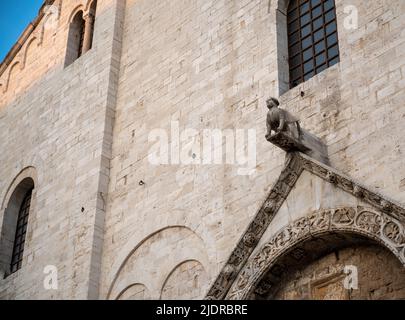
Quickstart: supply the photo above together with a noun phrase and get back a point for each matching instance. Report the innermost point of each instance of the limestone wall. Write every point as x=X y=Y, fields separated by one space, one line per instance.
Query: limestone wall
x=59 y=122
x=212 y=64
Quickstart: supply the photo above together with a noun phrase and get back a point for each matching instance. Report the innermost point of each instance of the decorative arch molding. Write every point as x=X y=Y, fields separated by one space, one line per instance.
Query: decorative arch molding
x=88 y=6
x=34 y=31
x=22 y=185
x=27 y=48
x=2 y=86
x=130 y=250
x=277 y=10
x=365 y=222
x=75 y=11
x=280 y=5
x=296 y=163
x=10 y=71
x=28 y=172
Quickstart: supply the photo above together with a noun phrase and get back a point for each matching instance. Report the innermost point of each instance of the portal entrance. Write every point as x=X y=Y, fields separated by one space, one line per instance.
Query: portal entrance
x=352 y=268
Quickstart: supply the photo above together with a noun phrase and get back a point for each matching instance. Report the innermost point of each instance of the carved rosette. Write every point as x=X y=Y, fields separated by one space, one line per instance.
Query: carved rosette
x=376 y=225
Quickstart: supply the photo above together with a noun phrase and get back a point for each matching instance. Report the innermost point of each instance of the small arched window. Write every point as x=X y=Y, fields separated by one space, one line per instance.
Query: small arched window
x=75 y=38
x=14 y=227
x=312 y=38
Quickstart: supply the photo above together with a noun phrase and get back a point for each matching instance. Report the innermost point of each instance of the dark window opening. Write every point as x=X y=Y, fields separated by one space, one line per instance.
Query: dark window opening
x=93 y=10
x=75 y=39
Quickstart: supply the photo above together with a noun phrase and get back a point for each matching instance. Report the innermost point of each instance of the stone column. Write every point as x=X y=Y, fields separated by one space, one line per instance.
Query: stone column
x=88 y=32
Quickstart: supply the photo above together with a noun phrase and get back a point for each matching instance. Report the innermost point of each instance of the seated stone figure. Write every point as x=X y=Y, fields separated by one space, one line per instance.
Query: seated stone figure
x=280 y=120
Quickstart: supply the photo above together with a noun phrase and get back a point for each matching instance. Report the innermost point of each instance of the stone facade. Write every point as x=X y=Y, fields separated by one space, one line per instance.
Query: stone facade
x=117 y=226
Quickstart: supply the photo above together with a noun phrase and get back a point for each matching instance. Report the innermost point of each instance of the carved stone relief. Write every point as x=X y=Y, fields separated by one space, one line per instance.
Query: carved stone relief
x=383 y=221
x=359 y=220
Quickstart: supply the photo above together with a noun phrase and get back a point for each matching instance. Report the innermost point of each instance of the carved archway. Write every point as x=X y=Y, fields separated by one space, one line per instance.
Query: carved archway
x=180 y=244
x=239 y=264
x=358 y=221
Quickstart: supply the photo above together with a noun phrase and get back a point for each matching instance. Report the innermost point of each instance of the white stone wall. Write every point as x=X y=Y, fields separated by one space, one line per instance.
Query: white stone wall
x=212 y=64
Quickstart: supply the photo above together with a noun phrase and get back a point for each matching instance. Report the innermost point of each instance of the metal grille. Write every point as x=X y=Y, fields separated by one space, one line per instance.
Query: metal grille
x=20 y=233
x=81 y=40
x=312 y=38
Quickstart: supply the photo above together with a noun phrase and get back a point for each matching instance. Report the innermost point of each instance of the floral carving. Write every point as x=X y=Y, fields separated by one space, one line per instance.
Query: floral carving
x=393 y=232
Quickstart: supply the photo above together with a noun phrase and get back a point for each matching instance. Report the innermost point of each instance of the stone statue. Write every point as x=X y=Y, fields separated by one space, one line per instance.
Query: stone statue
x=280 y=120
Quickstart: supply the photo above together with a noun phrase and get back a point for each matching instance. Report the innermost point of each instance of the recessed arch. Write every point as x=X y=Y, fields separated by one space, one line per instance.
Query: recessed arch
x=280 y=5
x=136 y=291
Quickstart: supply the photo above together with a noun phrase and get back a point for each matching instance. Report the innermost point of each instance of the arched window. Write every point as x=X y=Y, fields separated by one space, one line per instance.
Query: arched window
x=75 y=38
x=312 y=38
x=14 y=227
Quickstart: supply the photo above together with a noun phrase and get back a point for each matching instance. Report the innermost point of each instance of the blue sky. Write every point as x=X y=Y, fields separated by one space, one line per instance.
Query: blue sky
x=14 y=17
